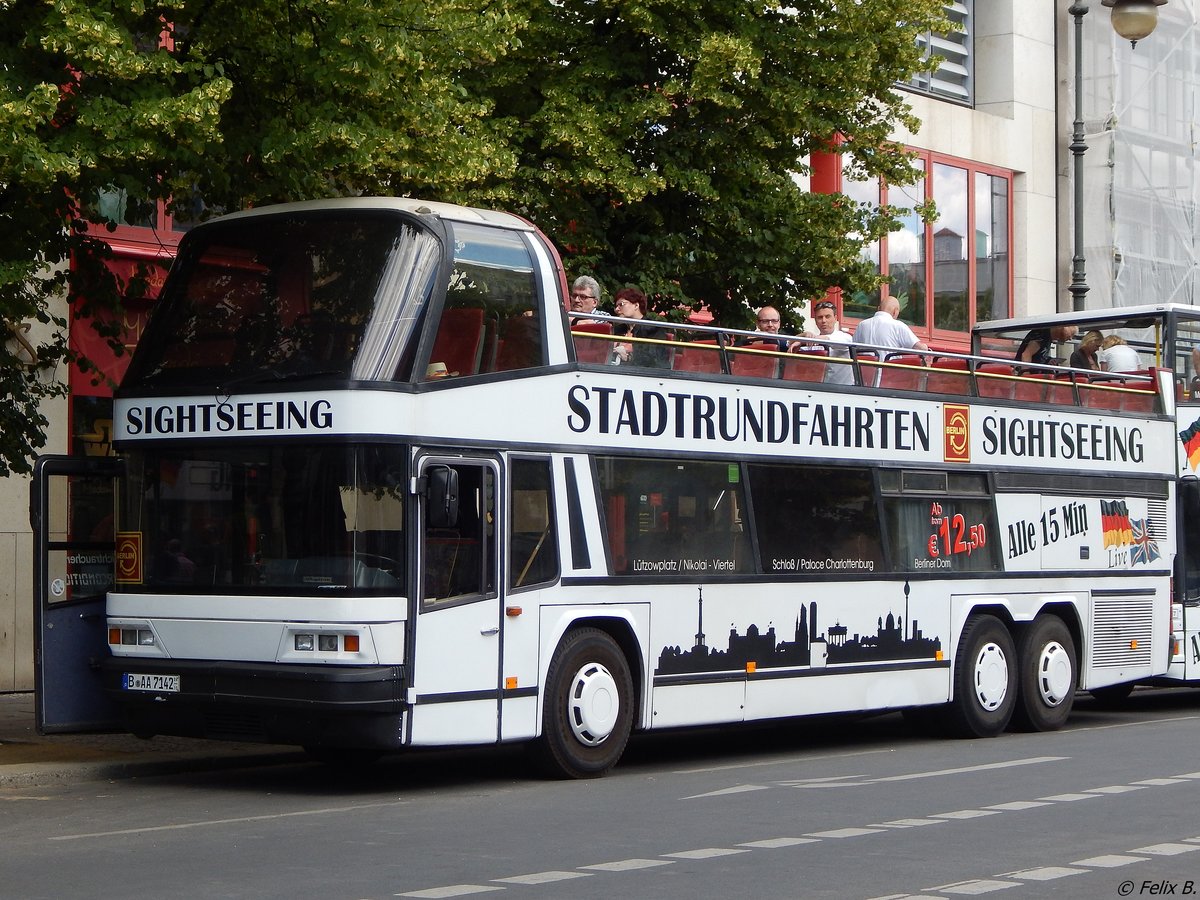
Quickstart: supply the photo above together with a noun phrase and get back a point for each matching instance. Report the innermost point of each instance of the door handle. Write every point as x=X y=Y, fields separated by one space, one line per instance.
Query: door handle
x=488 y=632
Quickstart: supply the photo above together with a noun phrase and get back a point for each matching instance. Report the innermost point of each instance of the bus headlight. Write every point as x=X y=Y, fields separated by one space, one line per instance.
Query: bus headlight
x=305 y=642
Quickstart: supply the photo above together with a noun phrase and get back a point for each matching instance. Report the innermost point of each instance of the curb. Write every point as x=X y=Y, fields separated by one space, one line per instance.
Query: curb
x=38 y=774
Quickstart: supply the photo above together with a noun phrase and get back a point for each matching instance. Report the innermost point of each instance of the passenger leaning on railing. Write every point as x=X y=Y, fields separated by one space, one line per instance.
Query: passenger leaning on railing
x=825 y=315
x=1036 y=346
x=630 y=303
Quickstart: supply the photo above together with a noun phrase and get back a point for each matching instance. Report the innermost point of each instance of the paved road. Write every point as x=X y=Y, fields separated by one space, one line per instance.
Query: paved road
x=834 y=808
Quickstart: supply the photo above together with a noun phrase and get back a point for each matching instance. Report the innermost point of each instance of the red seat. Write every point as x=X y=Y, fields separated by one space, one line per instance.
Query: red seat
x=697 y=356
x=1030 y=388
x=1143 y=396
x=1101 y=393
x=806 y=366
x=1059 y=390
x=948 y=375
x=592 y=349
x=757 y=360
x=993 y=380
x=459 y=341
x=903 y=372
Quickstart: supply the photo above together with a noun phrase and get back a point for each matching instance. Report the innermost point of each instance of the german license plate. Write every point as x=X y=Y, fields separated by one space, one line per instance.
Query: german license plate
x=131 y=681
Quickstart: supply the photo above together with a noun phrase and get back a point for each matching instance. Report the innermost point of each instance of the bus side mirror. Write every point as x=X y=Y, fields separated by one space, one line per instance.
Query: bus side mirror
x=441 y=497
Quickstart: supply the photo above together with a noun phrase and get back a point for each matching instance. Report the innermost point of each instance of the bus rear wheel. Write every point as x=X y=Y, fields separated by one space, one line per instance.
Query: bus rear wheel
x=1046 y=657
x=588 y=709
x=985 y=680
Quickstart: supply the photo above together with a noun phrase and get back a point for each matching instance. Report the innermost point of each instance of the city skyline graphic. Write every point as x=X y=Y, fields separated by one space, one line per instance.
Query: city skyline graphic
x=890 y=642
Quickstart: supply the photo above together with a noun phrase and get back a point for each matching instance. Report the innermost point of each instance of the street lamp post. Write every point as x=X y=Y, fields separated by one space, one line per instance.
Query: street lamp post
x=1132 y=20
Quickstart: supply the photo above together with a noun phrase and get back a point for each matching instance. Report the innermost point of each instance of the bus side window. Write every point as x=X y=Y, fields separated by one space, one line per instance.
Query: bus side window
x=806 y=516
x=667 y=517
x=533 y=540
x=1189 y=537
x=459 y=560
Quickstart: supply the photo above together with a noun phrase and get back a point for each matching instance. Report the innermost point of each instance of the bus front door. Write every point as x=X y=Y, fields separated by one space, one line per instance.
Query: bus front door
x=71 y=509
x=455 y=654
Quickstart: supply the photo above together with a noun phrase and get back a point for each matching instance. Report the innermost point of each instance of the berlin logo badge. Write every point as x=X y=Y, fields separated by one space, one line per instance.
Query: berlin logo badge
x=956 y=425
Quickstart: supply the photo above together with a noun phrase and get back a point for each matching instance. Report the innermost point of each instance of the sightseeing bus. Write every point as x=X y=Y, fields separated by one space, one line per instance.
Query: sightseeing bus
x=374 y=487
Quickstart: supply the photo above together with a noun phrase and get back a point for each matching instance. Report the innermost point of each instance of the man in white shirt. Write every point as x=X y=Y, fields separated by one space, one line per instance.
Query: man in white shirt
x=825 y=315
x=884 y=330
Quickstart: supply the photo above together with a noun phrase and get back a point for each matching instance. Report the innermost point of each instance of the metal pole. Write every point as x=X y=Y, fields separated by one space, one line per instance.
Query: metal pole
x=1078 y=145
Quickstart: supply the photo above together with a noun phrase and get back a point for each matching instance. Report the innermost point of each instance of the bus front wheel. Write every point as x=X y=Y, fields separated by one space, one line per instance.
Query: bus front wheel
x=588 y=708
x=1046 y=657
x=985 y=679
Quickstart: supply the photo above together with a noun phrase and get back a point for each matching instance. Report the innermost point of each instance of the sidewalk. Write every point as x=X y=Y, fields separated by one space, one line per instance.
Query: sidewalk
x=28 y=758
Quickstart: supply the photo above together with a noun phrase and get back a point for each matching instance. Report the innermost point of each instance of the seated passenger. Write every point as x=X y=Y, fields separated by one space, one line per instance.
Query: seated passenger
x=769 y=321
x=630 y=303
x=1117 y=356
x=1085 y=356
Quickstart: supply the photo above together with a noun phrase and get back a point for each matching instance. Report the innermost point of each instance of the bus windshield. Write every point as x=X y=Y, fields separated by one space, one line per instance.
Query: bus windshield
x=295 y=519
x=289 y=296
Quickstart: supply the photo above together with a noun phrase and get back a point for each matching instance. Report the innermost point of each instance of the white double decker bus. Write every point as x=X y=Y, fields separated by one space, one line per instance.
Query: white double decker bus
x=373 y=489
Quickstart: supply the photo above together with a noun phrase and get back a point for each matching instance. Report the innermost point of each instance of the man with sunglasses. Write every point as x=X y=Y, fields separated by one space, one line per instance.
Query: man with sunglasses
x=825 y=315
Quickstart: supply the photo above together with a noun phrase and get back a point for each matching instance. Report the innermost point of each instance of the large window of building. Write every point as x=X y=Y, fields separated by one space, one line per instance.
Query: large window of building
x=952 y=272
x=953 y=78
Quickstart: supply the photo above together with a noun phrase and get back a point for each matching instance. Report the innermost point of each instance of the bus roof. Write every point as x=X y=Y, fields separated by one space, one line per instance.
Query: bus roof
x=450 y=211
x=1092 y=316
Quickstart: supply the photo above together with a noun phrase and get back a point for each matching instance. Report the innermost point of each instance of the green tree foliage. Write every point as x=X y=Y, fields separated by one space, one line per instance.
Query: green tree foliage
x=236 y=103
x=654 y=140
x=659 y=139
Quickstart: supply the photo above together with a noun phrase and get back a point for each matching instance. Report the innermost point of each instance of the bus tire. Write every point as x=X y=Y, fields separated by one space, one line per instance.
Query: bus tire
x=985 y=680
x=1046 y=680
x=588 y=709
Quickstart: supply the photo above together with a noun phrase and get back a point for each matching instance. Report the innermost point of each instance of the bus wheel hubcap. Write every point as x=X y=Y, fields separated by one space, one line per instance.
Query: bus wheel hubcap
x=1054 y=674
x=991 y=677
x=593 y=705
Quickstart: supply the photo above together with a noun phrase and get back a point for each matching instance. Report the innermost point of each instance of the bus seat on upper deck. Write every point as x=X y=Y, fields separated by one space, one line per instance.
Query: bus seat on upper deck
x=903 y=371
x=703 y=358
x=993 y=380
x=807 y=365
x=755 y=360
x=948 y=375
x=592 y=349
x=459 y=342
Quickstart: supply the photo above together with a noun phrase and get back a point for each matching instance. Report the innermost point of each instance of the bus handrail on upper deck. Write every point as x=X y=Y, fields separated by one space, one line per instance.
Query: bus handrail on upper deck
x=959 y=374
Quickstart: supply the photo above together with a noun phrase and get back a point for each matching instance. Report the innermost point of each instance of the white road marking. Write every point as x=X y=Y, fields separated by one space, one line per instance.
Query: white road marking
x=543 y=877
x=1109 y=861
x=1168 y=849
x=628 y=865
x=910 y=823
x=845 y=832
x=724 y=792
x=965 y=814
x=975 y=887
x=1115 y=789
x=1069 y=798
x=1045 y=873
x=707 y=853
x=1156 y=782
x=453 y=890
x=206 y=823
x=776 y=843
x=777 y=760
x=1016 y=805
